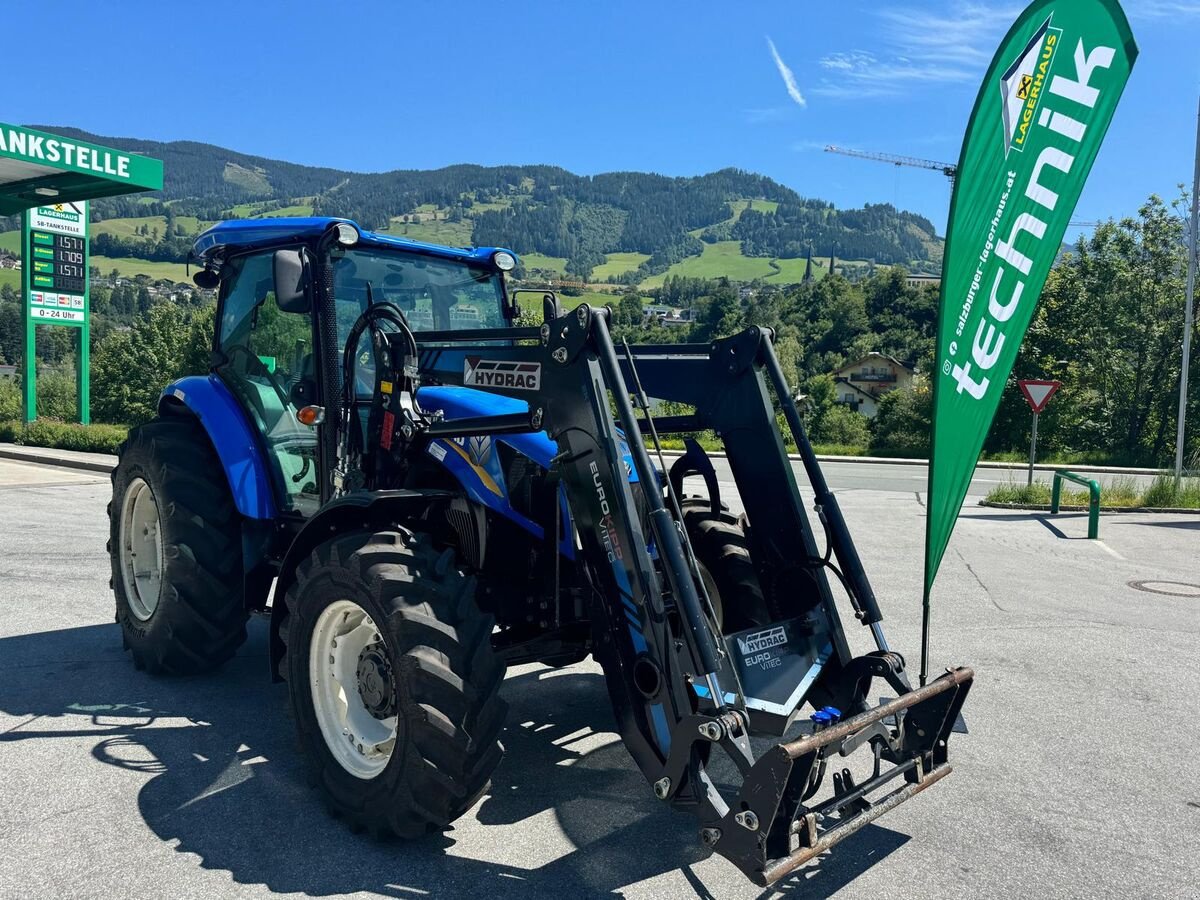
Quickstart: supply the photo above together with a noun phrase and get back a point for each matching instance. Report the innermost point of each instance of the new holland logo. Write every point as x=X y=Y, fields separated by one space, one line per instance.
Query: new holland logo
x=1022 y=84
x=496 y=373
x=762 y=640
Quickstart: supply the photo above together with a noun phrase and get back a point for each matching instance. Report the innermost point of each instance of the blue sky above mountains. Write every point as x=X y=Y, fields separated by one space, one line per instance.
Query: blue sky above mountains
x=674 y=87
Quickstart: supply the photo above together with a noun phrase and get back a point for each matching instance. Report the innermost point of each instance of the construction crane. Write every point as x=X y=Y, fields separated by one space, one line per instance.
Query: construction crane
x=947 y=169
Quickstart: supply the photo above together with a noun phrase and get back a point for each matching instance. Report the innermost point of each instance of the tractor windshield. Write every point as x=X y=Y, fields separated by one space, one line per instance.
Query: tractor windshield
x=434 y=294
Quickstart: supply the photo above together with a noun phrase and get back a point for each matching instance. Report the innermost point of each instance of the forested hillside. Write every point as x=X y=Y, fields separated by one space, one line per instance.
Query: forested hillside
x=622 y=227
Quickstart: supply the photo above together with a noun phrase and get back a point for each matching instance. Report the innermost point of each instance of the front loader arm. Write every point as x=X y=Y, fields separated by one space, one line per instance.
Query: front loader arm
x=677 y=686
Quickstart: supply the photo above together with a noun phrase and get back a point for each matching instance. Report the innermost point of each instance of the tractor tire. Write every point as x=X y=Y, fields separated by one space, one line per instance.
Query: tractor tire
x=723 y=552
x=176 y=551
x=393 y=681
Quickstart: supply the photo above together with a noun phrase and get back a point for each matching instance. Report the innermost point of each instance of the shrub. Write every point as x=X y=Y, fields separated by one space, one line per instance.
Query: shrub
x=842 y=425
x=902 y=423
x=64 y=436
x=10 y=399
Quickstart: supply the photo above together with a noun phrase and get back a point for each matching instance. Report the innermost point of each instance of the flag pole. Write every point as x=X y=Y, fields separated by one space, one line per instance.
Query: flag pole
x=924 y=635
x=1187 y=314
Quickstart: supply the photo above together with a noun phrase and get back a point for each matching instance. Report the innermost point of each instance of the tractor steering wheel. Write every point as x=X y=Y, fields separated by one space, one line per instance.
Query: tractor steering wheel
x=260 y=368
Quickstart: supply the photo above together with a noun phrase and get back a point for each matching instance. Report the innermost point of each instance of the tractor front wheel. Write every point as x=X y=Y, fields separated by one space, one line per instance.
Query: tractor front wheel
x=393 y=681
x=730 y=579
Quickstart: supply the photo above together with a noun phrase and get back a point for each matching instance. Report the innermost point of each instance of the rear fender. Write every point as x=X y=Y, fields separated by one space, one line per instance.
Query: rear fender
x=354 y=512
x=233 y=438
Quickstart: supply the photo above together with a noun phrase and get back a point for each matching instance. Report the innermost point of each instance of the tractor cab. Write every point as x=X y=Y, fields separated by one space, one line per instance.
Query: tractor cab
x=265 y=345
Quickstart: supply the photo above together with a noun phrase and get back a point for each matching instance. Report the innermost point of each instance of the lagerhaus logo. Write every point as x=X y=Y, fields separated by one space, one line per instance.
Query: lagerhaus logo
x=1022 y=84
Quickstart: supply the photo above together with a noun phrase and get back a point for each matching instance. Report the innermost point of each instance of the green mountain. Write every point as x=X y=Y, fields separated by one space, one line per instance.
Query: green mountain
x=626 y=227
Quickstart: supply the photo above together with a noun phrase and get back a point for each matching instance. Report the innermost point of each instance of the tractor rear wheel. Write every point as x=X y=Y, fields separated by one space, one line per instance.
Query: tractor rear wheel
x=723 y=552
x=176 y=552
x=393 y=681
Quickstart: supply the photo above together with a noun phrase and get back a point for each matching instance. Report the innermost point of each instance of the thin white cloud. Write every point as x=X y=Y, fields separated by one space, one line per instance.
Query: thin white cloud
x=1161 y=9
x=919 y=46
x=789 y=80
x=966 y=32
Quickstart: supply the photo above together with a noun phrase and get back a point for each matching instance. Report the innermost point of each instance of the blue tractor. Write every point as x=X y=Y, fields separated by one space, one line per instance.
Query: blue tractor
x=419 y=487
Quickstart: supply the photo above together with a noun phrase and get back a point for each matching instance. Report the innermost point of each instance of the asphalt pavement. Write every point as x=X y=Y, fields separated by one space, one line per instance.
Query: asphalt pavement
x=1078 y=778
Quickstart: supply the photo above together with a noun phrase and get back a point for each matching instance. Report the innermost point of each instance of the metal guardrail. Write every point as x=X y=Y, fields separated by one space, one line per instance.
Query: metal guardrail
x=1093 y=487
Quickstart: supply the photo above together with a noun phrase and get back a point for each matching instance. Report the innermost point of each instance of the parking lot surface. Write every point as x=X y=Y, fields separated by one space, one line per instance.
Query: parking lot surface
x=1078 y=778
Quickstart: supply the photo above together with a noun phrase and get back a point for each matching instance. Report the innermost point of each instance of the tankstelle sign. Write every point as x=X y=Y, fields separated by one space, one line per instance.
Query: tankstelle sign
x=62 y=154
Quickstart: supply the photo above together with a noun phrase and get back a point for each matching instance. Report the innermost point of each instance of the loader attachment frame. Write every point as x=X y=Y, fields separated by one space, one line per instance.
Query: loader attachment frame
x=677 y=686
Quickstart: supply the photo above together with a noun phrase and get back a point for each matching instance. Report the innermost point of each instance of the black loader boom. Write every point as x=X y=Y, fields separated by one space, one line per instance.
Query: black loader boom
x=677 y=684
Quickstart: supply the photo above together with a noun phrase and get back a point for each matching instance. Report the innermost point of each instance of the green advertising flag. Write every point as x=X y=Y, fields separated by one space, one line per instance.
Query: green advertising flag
x=1033 y=135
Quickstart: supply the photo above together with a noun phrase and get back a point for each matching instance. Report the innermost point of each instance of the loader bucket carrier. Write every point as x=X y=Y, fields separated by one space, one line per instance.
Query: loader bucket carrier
x=436 y=497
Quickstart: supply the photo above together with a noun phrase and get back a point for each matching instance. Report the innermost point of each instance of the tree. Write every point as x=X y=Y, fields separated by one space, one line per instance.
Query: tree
x=130 y=368
x=842 y=425
x=902 y=422
x=1109 y=327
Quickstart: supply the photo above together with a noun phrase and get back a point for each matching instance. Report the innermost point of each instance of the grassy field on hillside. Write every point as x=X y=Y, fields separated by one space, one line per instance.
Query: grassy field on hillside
x=260 y=211
x=12 y=277
x=538 y=261
x=11 y=241
x=128 y=228
x=725 y=259
x=618 y=264
x=451 y=234
x=128 y=267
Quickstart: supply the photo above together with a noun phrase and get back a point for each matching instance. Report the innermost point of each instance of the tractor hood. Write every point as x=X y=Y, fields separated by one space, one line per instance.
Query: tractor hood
x=460 y=403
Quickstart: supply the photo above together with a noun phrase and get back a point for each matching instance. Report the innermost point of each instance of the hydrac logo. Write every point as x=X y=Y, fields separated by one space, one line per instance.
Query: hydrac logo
x=500 y=374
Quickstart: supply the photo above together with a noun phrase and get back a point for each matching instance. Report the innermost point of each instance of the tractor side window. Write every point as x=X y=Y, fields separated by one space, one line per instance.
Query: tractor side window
x=267 y=354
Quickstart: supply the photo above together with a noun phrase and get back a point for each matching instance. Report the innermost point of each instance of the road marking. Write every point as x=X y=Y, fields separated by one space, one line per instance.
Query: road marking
x=1108 y=549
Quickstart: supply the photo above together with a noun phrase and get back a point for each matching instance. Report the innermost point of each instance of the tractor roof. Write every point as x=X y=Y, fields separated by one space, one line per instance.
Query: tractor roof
x=238 y=235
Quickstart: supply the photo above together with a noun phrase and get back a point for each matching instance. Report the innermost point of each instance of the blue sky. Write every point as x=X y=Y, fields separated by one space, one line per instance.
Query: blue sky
x=678 y=88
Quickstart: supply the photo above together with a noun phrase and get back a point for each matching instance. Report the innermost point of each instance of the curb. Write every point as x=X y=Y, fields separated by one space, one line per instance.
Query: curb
x=31 y=455
x=1045 y=507
x=982 y=464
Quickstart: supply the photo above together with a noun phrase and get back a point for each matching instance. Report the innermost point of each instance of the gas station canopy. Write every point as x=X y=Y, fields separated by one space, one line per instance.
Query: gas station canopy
x=37 y=168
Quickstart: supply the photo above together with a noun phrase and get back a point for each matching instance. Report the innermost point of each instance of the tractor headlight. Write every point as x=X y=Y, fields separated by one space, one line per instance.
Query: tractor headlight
x=347 y=234
x=505 y=262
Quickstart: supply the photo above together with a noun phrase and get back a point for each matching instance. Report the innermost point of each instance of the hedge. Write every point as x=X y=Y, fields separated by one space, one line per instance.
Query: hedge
x=64 y=435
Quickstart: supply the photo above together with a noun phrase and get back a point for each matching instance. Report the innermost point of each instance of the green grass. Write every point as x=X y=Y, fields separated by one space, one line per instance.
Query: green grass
x=129 y=267
x=1119 y=493
x=299 y=209
x=260 y=211
x=725 y=259
x=10 y=277
x=618 y=264
x=449 y=234
x=128 y=228
x=11 y=241
x=538 y=261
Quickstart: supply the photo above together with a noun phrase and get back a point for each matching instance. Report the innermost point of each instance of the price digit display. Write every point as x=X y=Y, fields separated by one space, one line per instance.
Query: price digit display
x=58 y=262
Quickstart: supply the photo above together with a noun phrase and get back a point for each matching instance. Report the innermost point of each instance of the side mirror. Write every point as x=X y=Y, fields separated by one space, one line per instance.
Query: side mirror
x=208 y=279
x=291 y=284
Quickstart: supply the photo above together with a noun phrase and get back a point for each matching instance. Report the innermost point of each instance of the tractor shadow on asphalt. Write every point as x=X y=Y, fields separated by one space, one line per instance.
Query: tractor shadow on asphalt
x=221 y=777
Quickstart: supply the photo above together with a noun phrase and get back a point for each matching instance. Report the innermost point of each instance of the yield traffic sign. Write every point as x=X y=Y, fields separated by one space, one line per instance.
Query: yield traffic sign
x=1038 y=393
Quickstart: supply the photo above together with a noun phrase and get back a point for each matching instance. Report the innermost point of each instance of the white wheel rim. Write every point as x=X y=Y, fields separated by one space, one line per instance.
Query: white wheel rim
x=360 y=742
x=141 y=549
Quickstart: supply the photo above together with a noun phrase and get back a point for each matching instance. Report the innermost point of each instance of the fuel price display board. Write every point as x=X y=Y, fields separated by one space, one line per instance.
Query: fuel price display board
x=57 y=260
